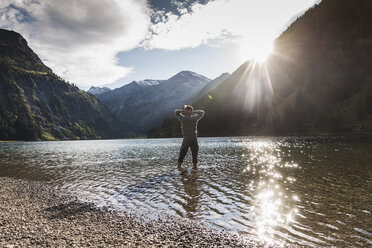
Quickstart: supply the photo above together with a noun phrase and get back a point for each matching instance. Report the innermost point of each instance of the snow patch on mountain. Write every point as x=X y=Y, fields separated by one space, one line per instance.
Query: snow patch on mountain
x=97 y=90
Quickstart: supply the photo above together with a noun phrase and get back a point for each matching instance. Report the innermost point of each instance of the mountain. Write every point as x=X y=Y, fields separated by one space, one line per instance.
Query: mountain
x=36 y=104
x=118 y=99
x=97 y=90
x=144 y=104
x=149 y=82
x=213 y=84
x=317 y=81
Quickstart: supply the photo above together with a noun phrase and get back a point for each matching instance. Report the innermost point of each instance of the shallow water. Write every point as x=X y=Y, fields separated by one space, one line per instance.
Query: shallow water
x=304 y=191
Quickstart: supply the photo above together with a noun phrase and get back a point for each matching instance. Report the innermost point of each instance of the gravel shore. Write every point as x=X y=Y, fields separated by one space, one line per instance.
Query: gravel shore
x=33 y=214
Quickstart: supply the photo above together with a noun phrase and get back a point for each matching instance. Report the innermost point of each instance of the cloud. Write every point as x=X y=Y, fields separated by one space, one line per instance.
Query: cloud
x=79 y=40
x=248 y=21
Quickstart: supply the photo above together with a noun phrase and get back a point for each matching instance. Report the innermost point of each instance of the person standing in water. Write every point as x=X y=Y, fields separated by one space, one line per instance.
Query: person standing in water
x=189 y=120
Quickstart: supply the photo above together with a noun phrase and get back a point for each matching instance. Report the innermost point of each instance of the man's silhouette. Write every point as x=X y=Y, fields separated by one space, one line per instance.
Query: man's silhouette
x=189 y=120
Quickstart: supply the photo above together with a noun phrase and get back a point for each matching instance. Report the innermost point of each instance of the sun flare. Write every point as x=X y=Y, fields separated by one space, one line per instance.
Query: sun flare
x=258 y=51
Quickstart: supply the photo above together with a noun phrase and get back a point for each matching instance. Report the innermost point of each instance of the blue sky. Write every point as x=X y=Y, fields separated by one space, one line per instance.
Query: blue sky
x=162 y=64
x=113 y=42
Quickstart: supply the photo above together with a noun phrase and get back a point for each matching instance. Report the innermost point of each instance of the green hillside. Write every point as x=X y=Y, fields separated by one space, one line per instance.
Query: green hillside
x=318 y=81
x=36 y=104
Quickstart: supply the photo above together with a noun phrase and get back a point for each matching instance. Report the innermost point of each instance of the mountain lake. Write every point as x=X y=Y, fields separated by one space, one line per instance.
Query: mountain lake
x=307 y=191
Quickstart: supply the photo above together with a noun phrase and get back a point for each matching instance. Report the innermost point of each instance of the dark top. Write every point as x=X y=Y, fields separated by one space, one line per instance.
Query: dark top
x=189 y=124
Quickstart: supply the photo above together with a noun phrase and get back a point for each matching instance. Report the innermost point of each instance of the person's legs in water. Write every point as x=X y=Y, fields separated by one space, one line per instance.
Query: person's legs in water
x=183 y=151
x=194 y=150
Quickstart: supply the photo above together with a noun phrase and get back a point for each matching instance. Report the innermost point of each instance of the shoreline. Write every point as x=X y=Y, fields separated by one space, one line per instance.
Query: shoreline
x=34 y=214
x=367 y=136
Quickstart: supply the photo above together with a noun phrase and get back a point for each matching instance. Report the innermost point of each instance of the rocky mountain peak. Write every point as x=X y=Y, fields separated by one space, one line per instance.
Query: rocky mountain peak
x=13 y=39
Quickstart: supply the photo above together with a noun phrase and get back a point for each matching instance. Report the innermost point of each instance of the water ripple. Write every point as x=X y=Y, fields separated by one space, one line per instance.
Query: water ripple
x=304 y=191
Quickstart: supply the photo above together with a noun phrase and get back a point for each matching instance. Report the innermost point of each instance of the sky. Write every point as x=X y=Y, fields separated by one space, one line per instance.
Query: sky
x=113 y=42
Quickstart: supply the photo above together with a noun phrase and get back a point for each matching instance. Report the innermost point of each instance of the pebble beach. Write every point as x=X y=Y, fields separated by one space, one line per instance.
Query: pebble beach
x=33 y=214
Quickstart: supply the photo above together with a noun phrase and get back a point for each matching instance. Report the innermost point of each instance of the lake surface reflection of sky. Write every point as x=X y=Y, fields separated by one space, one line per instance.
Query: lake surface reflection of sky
x=305 y=191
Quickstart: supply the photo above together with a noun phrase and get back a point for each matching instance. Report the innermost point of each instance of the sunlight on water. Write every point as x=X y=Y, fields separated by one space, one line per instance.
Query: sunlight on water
x=303 y=191
x=272 y=205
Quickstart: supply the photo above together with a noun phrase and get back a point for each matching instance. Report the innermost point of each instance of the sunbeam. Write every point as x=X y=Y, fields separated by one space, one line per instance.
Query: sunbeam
x=254 y=87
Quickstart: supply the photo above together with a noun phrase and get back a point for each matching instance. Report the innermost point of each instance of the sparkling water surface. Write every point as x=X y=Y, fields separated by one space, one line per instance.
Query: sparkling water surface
x=303 y=191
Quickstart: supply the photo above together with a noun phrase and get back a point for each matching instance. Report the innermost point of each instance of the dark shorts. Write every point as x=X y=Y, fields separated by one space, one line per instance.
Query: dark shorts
x=191 y=142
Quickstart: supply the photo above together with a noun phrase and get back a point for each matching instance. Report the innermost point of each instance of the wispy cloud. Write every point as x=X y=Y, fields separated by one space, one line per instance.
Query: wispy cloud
x=79 y=40
x=252 y=22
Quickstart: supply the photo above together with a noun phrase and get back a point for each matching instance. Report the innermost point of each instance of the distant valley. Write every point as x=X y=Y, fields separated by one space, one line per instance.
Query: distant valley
x=317 y=81
x=36 y=104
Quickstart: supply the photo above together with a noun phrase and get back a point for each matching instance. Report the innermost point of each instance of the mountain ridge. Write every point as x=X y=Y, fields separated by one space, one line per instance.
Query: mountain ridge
x=317 y=81
x=97 y=90
x=142 y=105
x=36 y=104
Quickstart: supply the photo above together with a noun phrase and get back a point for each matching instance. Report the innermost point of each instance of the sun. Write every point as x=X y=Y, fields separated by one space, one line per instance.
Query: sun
x=255 y=50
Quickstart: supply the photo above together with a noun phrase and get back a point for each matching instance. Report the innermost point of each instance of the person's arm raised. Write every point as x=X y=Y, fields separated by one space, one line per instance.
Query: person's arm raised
x=178 y=112
x=199 y=114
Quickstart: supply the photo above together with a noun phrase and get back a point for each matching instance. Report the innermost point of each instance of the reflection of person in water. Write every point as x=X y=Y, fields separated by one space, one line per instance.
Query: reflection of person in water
x=191 y=185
